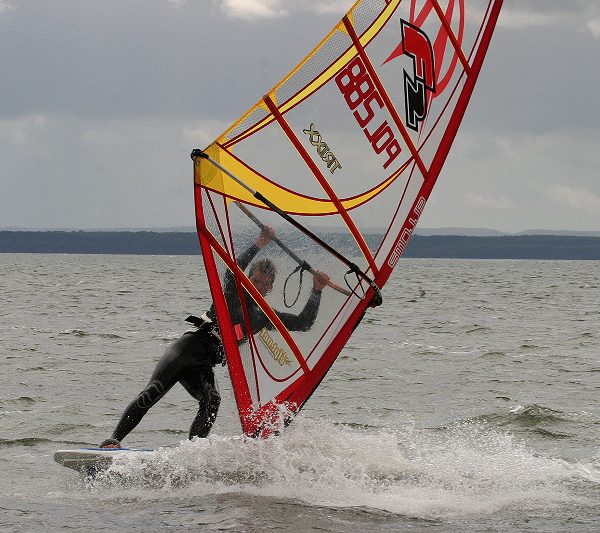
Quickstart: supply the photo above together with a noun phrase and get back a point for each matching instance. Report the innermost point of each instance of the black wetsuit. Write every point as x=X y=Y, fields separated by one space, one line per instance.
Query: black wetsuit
x=191 y=358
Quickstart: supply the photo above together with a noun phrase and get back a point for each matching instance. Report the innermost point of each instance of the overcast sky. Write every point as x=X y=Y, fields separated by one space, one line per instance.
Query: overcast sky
x=102 y=101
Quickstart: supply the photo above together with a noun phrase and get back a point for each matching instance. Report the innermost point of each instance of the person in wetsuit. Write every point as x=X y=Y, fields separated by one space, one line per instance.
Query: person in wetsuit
x=190 y=359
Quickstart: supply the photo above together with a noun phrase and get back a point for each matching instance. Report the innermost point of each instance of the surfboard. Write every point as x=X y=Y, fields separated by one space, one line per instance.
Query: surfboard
x=90 y=461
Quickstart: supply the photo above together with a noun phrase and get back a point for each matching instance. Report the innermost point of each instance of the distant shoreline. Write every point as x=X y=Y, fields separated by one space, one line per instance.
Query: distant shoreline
x=186 y=243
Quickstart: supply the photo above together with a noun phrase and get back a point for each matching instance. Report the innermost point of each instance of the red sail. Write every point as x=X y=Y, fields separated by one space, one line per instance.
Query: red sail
x=350 y=145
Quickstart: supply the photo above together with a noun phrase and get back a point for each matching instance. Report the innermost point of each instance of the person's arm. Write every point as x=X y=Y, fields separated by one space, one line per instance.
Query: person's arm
x=229 y=288
x=264 y=238
x=304 y=320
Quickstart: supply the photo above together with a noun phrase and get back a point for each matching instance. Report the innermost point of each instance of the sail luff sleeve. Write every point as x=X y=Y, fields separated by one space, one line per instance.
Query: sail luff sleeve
x=236 y=370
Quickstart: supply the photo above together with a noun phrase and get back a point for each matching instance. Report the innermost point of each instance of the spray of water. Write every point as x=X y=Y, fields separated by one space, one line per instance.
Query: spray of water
x=441 y=473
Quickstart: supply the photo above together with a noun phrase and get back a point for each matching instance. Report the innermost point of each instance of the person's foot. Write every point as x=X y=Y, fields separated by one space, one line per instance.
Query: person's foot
x=110 y=443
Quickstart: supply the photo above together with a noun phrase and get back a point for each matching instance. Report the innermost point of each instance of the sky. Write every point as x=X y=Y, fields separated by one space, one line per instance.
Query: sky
x=102 y=102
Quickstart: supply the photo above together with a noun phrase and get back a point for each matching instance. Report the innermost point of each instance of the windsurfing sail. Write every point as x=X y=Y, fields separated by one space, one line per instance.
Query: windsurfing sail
x=339 y=159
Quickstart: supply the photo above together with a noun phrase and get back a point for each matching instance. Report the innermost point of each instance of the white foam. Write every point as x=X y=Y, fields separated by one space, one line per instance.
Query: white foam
x=425 y=473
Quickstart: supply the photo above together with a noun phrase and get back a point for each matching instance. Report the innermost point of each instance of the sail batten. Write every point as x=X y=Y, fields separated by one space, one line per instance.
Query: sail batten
x=457 y=48
x=338 y=160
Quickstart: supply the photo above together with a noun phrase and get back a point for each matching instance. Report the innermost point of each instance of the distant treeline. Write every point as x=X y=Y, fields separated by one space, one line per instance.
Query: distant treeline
x=182 y=243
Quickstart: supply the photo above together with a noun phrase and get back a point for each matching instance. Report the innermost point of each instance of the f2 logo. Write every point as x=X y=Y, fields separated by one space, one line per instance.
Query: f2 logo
x=421 y=81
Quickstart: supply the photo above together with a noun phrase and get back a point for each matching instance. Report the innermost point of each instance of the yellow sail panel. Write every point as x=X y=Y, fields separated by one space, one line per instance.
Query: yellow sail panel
x=209 y=176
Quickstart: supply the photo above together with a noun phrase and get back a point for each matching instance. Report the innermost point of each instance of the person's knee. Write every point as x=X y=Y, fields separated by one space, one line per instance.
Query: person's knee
x=213 y=401
x=153 y=392
x=208 y=408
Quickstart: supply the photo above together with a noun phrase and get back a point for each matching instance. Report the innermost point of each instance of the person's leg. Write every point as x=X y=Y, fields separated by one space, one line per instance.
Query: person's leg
x=165 y=375
x=209 y=400
x=198 y=378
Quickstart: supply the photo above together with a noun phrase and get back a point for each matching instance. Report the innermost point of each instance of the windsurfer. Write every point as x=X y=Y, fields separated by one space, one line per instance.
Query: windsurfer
x=262 y=274
x=191 y=358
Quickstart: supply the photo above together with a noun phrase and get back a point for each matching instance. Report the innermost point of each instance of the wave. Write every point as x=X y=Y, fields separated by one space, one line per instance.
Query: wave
x=524 y=416
x=23 y=401
x=493 y=353
x=477 y=328
x=534 y=414
x=83 y=333
x=61 y=429
x=36 y=441
x=551 y=434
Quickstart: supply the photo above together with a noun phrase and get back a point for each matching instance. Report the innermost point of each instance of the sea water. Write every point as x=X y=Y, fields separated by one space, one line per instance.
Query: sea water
x=467 y=402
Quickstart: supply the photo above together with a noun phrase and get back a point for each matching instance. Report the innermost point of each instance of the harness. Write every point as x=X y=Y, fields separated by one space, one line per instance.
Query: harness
x=203 y=323
x=208 y=327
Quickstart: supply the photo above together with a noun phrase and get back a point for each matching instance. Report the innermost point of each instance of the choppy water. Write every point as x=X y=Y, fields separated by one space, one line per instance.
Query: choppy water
x=474 y=407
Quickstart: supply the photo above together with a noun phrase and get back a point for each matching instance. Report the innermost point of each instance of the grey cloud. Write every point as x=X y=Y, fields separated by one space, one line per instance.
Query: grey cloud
x=140 y=58
x=255 y=9
x=102 y=101
x=577 y=16
x=73 y=172
x=539 y=80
